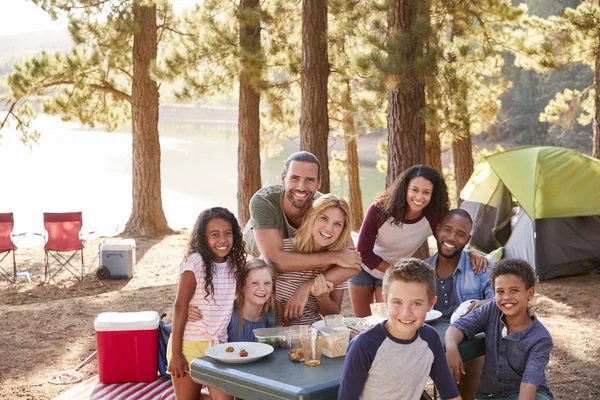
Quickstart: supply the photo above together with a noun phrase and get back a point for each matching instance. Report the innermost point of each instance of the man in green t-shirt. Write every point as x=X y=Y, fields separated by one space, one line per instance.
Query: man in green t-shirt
x=277 y=211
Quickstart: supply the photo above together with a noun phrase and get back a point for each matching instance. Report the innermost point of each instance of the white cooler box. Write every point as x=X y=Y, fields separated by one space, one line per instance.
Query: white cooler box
x=117 y=259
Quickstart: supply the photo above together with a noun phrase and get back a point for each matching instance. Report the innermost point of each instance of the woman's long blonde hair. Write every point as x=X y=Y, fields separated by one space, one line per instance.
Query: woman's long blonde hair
x=304 y=240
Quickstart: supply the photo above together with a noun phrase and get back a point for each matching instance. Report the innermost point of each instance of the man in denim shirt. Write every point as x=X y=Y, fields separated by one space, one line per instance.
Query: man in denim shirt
x=517 y=345
x=456 y=282
x=455 y=279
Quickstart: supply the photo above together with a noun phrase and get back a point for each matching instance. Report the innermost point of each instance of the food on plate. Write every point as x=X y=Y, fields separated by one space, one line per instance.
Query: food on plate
x=230 y=349
x=243 y=353
x=295 y=355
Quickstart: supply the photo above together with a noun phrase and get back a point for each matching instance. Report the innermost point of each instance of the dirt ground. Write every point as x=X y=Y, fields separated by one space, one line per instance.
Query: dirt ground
x=50 y=327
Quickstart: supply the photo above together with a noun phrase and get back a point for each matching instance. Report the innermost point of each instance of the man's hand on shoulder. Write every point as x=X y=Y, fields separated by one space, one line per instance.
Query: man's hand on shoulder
x=479 y=262
x=476 y=304
x=349 y=258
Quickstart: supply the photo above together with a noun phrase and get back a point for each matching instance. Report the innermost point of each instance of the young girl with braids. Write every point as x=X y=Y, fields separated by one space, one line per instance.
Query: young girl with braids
x=208 y=277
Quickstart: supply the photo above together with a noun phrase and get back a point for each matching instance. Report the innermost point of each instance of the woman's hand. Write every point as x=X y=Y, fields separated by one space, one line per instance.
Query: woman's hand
x=178 y=366
x=294 y=308
x=321 y=286
x=479 y=263
x=194 y=314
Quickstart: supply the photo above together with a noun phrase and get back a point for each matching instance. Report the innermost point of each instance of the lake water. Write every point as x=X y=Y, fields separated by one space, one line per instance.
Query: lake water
x=77 y=169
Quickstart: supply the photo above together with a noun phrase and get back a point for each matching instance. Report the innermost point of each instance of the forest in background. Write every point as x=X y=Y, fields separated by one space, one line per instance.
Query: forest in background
x=428 y=75
x=518 y=121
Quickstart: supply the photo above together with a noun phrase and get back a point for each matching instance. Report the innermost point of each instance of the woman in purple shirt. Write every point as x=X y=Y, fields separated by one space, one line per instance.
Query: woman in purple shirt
x=395 y=226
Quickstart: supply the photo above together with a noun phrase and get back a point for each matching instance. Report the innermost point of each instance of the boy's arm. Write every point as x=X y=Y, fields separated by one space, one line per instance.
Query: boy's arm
x=537 y=360
x=527 y=391
x=440 y=373
x=355 y=373
x=452 y=339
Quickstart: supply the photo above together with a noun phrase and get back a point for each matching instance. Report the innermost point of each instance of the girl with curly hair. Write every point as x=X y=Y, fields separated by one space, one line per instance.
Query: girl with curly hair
x=395 y=226
x=211 y=269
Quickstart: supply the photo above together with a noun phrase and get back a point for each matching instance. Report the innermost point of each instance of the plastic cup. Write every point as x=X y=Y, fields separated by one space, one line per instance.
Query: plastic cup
x=334 y=320
x=379 y=310
x=311 y=346
x=295 y=337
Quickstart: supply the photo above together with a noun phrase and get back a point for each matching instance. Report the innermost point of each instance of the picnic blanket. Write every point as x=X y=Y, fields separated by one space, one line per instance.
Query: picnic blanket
x=92 y=389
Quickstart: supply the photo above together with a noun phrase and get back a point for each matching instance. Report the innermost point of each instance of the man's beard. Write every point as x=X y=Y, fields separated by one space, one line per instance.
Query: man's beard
x=455 y=254
x=295 y=203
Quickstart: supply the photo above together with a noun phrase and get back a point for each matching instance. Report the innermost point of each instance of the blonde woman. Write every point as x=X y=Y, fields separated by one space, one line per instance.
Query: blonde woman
x=324 y=228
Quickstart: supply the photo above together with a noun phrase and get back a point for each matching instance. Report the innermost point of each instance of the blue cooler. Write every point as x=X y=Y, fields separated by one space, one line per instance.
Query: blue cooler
x=117 y=259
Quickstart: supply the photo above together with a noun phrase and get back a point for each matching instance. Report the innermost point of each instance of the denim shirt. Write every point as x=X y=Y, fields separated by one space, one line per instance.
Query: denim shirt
x=467 y=284
x=509 y=358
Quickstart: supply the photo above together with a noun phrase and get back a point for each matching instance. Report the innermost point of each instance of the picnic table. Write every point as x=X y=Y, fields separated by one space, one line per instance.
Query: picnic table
x=274 y=377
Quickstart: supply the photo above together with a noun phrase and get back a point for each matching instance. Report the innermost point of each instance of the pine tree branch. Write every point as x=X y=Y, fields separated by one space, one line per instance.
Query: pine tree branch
x=8 y=114
x=283 y=84
x=166 y=27
x=103 y=87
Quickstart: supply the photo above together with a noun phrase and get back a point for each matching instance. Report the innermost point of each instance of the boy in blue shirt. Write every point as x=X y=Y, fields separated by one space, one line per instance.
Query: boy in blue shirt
x=517 y=345
x=393 y=360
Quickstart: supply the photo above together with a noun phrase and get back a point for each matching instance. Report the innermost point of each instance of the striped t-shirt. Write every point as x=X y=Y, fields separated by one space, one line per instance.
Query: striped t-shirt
x=216 y=309
x=286 y=284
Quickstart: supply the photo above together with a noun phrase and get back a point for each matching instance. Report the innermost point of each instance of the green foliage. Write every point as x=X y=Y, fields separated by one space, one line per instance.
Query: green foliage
x=481 y=154
x=92 y=82
x=564 y=47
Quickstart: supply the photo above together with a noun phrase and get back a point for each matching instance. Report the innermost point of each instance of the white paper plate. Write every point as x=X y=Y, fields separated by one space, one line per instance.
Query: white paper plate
x=255 y=351
x=433 y=315
x=347 y=320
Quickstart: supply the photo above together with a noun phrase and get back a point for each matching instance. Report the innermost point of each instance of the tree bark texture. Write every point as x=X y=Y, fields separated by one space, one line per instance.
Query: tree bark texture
x=350 y=138
x=406 y=98
x=433 y=149
x=249 y=180
x=314 y=120
x=147 y=215
x=596 y=121
x=462 y=152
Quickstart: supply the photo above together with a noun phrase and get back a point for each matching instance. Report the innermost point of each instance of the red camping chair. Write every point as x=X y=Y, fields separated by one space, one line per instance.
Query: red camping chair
x=64 y=236
x=7 y=245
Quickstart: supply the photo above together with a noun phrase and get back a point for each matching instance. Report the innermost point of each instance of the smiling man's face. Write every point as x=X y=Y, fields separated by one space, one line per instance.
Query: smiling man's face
x=301 y=183
x=453 y=234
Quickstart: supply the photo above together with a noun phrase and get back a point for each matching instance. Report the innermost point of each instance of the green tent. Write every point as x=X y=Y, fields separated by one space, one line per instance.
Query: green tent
x=542 y=204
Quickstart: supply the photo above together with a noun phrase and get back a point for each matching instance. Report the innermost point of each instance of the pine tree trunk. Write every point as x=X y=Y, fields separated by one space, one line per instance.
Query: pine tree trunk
x=406 y=99
x=463 y=162
x=249 y=180
x=147 y=216
x=433 y=149
x=350 y=137
x=433 y=145
x=314 y=121
x=596 y=123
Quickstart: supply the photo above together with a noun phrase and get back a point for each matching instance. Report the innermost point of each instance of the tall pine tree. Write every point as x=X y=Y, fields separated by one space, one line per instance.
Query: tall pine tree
x=106 y=79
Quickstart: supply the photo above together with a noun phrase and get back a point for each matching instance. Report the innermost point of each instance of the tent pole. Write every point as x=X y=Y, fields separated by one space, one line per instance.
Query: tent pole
x=535 y=252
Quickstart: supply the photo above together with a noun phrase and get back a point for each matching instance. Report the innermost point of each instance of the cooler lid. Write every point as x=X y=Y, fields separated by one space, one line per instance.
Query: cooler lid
x=127 y=321
x=118 y=245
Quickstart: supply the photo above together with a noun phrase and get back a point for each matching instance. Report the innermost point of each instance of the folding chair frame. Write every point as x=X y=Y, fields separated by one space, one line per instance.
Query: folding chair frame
x=57 y=253
x=4 y=273
x=64 y=262
x=9 y=246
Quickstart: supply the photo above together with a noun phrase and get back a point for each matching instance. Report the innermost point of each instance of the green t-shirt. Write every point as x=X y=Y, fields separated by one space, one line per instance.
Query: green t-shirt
x=266 y=212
